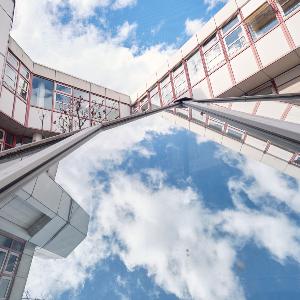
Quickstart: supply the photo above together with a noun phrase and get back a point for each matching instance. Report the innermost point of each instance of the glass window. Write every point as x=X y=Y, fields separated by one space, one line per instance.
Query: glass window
x=289 y=5
x=11 y=263
x=216 y=125
x=112 y=114
x=111 y=103
x=214 y=57
x=82 y=94
x=9 y=139
x=23 y=88
x=235 y=133
x=10 y=77
x=83 y=108
x=62 y=102
x=166 y=90
x=297 y=160
x=230 y=25
x=17 y=246
x=97 y=99
x=2 y=258
x=63 y=88
x=209 y=43
x=235 y=41
x=4 y=286
x=98 y=112
x=12 y=60
x=42 y=90
x=154 y=95
x=144 y=104
x=24 y=72
x=261 y=21
x=195 y=68
x=180 y=84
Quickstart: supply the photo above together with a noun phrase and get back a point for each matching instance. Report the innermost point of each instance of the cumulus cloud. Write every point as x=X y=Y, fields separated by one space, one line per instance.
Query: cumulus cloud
x=213 y=3
x=119 y=4
x=193 y=26
x=80 y=48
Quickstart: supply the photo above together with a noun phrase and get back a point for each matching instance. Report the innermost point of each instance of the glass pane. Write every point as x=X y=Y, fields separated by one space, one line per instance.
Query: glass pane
x=78 y=94
x=180 y=84
x=155 y=100
x=230 y=25
x=11 y=263
x=10 y=77
x=62 y=101
x=82 y=108
x=5 y=242
x=24 y=72
x=289 y=5
x=23 y=88
x=4 y=285
x=213 y=57
x=111 y=103
x=235 y=40
x=63 y=88
x=42 y=90
x=112 y=114
x=207 y=45
x=17 y=246
x=2 y=257
x=97 y=99
x=98 y=112
x=12 y=60
x=262 y=21
x=195 y=68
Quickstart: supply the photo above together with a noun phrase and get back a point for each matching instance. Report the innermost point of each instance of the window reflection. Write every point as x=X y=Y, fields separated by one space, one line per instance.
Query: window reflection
x=42 y=90
x=195 y=68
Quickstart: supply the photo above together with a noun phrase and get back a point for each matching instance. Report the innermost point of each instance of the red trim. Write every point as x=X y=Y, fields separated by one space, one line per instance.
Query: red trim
x=206 y=73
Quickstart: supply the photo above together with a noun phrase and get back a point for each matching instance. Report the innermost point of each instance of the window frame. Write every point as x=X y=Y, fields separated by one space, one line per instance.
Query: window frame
x=289 y=12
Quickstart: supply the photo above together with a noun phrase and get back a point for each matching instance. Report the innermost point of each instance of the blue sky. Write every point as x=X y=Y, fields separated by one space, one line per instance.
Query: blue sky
x=172 y=216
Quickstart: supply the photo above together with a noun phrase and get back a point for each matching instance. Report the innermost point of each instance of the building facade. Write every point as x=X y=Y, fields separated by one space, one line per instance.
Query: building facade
x=250 y=47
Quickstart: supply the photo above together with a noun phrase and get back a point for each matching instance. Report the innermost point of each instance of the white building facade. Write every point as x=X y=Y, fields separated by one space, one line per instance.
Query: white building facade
x=249 y=47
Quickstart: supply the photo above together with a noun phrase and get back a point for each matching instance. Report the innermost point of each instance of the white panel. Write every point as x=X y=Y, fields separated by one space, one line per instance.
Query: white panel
x=220 y=80
x=1 y=66
x=201 y=90
x=43 y=71
x=288 y=76
x=175 y=59
x=125 y=98
x=189 y=46
x=20 y=111
x=292 y=86
x=124 y=110
x=268 y=50
x=256 y=143
x=251 y=6
x=6 y=101
x=293 y=25
x=197 y=128
x=97 y=89
x=208 y=29
x=5 y=26
x=280 y=153
x=113 y=94
x=294 y=115
x=293 y=171
x=241 y=3
x=251 y=152
x=212 y=135
x=64 y=206
x=244 y=65
x=80 y=220
x=274 y=162
x=271 y=109
x=8 y=6
x=225 y=13
x=35 y=116
x=232 y=144
x=73 y=81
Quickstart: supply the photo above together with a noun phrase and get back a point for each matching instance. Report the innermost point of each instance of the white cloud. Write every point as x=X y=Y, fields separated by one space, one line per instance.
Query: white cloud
x=193 y=26
x=213 y=3
x=84 y=50
x=119 y=4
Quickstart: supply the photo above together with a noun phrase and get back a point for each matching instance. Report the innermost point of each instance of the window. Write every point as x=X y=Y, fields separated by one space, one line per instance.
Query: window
x=10 y=77
x=23 y=88
x=166 y=90
x=2 y=258
x=195 y=68
x=179 y=79
x=4 y=286
x=235 y=133
x=98 y=112
x=289 y=5
x=235 y=40
x=82 y=94
x=62 y=102
x=297 y=160
x=83 y=108
x=24 y=72
x=112 y=114
x=64 y=89
x=144 y=104
x=231 y=24
x=261 y=21
x=213 y=53
x=11 y=263
x=209 y=43
x=154 y=95
x=12 y=60
x=216 y=125
x=97 y=99
x=42 y=90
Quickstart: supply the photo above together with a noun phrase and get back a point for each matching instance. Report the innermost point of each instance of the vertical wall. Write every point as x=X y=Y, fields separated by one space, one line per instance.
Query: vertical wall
x=6 y=18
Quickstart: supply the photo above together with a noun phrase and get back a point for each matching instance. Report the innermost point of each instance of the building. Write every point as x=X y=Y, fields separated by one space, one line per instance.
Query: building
x=250 y=47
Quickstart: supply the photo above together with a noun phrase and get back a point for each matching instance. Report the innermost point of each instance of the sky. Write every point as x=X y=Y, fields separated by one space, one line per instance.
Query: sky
x=173 y=216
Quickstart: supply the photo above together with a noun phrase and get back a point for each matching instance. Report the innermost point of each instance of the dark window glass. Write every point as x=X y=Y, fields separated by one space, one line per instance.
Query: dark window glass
x=42 y=90
x=26 y=140
x=5 y=242
x=261 y=21
x=297 y=160
x=63 y=88
x=62 y=102
x=289 y=5
x=2 y=258
x=9 y=139
x=4 y=285
x=17 y=246
x=1 y=135
x=24 y=72
x=234 y=134
x=23 y=88
x=11 y=263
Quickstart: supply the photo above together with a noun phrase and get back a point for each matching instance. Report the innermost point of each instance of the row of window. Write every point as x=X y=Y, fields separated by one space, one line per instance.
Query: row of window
x=10 y=251
x=234 y=36
x=8 y=141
